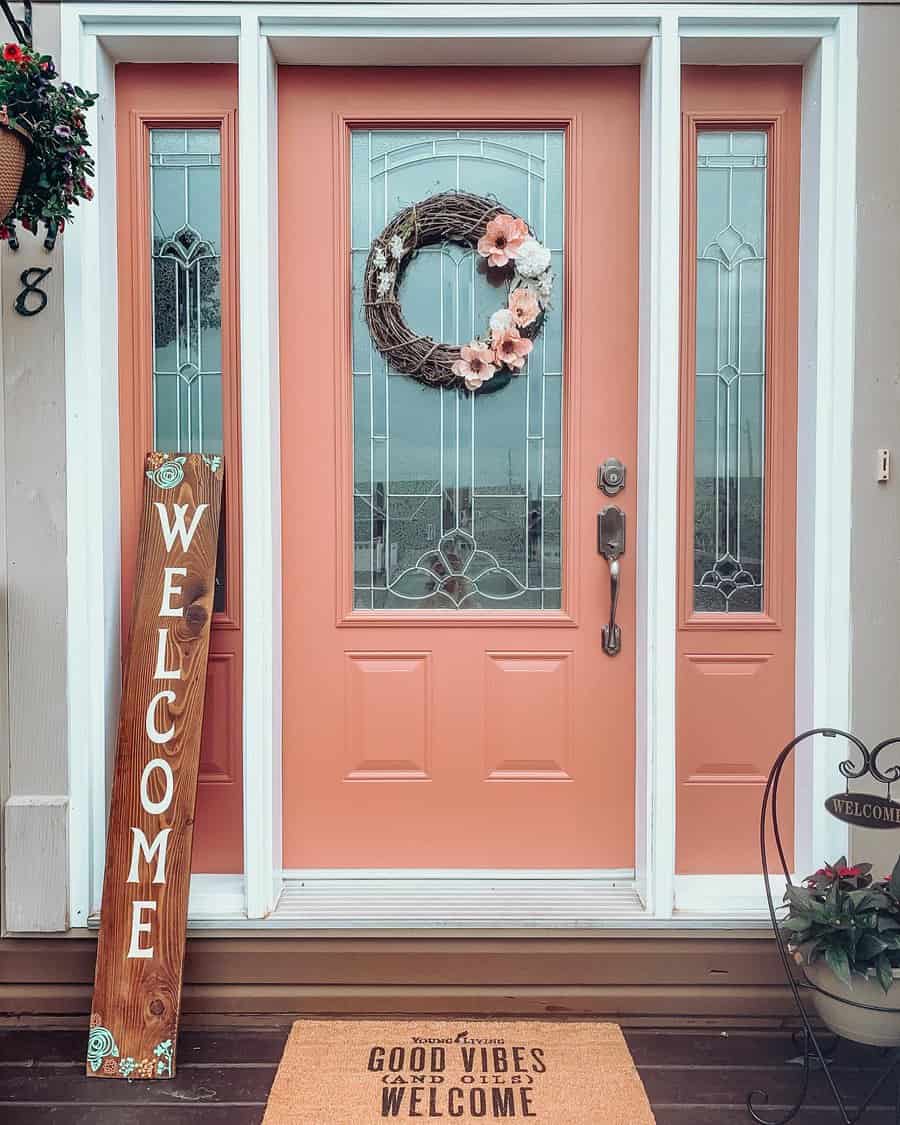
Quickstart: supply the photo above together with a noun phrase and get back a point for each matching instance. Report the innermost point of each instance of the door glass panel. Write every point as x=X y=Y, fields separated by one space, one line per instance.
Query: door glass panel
x=186 y=249
x=185 y=196
x=729 y=451
x=457 y=496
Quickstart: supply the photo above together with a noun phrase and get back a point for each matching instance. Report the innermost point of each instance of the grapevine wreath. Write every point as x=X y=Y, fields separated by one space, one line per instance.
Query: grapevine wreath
x=505 y=242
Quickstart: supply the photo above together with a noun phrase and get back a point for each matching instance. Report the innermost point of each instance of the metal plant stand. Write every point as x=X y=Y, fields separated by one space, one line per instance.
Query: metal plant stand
x=817 y=1050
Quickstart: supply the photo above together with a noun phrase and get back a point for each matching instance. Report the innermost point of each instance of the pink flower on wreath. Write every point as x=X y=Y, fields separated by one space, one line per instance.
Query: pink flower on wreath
x=502 y=238
x=523 y=305
x=510 y=348
x=476 y=364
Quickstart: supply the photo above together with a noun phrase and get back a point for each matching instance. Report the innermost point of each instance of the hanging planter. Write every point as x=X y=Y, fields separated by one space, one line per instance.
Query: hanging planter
x=14 y=142
x=45 y=164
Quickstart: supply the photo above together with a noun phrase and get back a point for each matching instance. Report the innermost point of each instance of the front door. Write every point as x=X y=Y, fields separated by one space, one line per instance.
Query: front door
x=447 y=700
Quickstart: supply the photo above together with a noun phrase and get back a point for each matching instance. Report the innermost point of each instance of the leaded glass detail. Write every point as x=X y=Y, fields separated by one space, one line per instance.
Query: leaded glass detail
x=729 y=448
x=185 y=196
x=457 y=497
x=186 y=259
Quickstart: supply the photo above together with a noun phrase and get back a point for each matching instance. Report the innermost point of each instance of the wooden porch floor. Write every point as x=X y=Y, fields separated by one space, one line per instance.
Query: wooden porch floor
x=693 y=1077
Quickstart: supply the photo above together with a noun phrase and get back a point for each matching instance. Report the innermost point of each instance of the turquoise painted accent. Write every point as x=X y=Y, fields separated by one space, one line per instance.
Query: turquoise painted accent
x=100 y=1044
x=169 y=474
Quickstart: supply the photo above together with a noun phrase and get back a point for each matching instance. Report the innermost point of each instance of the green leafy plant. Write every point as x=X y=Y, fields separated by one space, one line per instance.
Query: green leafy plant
x=58 y=164
x=840 y=915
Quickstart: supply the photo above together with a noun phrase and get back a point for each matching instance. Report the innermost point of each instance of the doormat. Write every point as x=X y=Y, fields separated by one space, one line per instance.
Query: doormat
x=359 y=1072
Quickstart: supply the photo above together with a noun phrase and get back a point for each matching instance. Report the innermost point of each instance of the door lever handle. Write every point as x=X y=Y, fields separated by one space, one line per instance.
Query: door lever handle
x=611 y=545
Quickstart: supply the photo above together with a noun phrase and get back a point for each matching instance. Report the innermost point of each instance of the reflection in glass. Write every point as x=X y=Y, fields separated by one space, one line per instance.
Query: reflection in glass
x=729 y=450
x=185 y=197
x=457 y=497
x=186 y=248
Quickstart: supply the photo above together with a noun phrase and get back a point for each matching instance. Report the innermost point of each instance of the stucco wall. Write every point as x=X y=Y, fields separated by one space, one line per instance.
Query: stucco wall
x=876 y=507
x=33 y=445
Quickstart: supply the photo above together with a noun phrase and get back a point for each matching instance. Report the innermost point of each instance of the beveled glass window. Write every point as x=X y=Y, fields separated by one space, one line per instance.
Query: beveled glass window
x=186 y=249
x=729 y=446
x=457 y=496
x=185 y=198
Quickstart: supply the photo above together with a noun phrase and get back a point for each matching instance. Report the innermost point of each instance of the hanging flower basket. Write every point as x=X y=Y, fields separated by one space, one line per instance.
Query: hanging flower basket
x=14 y=142
x=45 y=164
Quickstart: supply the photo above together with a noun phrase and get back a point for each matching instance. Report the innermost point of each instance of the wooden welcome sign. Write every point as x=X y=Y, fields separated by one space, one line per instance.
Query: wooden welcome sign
x=137 y=987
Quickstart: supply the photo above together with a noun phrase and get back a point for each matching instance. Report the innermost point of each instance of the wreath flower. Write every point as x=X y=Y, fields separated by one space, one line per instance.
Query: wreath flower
x=501 y=320
x=524 y=307
x=511 y=348
x=476 y=365
x=501 y=241
x=532 y=258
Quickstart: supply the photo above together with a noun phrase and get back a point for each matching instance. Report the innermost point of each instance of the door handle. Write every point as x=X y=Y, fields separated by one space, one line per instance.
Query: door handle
x=611 y=545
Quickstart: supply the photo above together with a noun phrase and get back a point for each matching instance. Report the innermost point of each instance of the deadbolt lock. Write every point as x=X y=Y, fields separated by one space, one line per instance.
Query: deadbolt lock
x=611 y=476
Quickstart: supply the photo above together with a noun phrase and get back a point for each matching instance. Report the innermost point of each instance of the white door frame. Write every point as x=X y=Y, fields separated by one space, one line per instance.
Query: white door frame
x=660 y=36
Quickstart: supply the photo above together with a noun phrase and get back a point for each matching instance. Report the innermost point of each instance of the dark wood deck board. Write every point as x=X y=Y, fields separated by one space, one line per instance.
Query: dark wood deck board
x=693 y=1077
x=221 y=1047
x=131 y=1115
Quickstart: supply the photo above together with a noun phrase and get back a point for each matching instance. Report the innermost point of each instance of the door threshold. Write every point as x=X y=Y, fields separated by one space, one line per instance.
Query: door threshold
x=469 y=900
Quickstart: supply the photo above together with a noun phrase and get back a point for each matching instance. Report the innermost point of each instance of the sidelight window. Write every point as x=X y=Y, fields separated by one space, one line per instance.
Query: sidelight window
x=729 y=451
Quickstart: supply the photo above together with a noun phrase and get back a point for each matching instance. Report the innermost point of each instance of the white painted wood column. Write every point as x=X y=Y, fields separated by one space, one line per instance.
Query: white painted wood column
x=658 y=458
x=92 y=485
x=261 y=468
x=825 y=450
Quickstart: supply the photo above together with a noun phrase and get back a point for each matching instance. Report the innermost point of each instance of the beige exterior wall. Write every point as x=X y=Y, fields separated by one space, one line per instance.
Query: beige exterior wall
x=876 y=425
x=33 y=561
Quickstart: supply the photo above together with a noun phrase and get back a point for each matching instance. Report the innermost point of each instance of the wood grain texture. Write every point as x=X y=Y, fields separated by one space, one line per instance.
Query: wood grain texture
x=137 y=997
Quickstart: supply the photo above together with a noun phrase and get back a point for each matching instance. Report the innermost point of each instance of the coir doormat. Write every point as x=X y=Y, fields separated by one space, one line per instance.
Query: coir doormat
x=342 y=1072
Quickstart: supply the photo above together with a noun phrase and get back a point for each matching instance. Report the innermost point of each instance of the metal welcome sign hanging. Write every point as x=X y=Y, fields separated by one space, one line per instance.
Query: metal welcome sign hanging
x=140 y=953
x=864 y=810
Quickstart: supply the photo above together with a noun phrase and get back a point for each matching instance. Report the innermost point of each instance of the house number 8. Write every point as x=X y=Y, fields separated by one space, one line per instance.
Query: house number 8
x=31 y=279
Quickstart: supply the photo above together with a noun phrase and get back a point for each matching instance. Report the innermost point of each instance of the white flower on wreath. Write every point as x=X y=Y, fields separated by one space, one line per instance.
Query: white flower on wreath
x=544 y=285
x=379 y=258
x=386 y=282
x=532 y=259
x=502 y=321
x=397 y=247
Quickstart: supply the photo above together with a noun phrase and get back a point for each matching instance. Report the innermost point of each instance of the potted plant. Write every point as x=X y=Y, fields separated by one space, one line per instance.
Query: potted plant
x=44 y=160
x=843 y=929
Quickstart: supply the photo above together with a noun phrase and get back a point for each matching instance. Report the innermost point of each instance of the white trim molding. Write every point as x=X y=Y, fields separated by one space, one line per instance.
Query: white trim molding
x=659 y=37
x=658 y=478
x=261 y=464
x=737 y=897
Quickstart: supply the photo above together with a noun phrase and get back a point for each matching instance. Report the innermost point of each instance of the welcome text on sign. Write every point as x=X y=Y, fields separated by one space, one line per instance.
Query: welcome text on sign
x=143 y=919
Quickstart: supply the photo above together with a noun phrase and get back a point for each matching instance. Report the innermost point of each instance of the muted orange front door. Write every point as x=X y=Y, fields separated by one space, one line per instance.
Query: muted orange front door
x=447 y=702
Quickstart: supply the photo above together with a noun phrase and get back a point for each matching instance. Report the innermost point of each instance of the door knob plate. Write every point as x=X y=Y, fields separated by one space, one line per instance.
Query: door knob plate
x=611 y=476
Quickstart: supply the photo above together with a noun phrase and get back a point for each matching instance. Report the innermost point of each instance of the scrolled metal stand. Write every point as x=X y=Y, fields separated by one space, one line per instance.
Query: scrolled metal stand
x=815 y=1055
